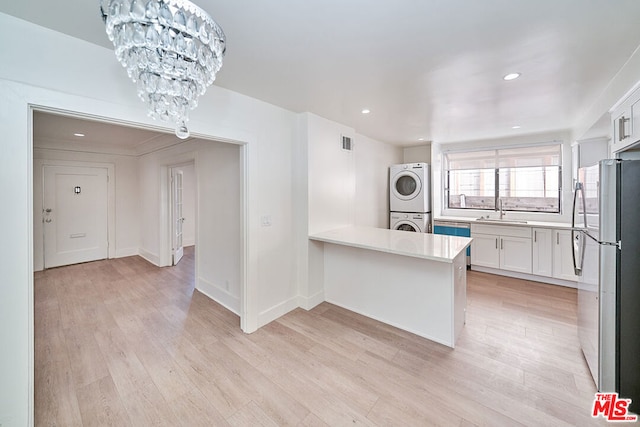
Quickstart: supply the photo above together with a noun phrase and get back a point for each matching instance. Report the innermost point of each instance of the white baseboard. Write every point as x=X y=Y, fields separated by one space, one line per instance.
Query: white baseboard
x=525 y=276
x=219 y=295
x=309 y=302
x=278 y=310
x=125 y=252
x=189 y=242
x=152 y=258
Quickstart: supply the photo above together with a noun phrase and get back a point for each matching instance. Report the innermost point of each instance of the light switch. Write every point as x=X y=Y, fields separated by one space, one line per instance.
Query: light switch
x=265 y=220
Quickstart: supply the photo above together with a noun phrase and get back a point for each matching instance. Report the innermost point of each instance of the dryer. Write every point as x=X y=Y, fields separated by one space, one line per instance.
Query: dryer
x=404 y=221
x=410 y=188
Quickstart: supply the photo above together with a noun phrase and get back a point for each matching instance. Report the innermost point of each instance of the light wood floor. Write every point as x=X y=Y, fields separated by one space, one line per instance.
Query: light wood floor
x=121 y=342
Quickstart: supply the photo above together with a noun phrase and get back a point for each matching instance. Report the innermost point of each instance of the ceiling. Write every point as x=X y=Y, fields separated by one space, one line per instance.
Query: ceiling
x=82 y=134
x=427 y=69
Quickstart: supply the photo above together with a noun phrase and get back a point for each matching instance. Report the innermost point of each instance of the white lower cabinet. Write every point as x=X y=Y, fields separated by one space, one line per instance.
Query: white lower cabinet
x=552 y=253
x=485 y=251
x=562 y=255
x=542 y=256
x=502 y=247
x=515 y=254
x=542 y=251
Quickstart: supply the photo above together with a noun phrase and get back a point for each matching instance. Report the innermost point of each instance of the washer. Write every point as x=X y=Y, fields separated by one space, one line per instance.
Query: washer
x=409 y=188
x=404 y=221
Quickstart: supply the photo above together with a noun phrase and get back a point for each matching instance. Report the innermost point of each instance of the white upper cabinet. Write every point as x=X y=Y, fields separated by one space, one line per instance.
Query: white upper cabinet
x=626 y=123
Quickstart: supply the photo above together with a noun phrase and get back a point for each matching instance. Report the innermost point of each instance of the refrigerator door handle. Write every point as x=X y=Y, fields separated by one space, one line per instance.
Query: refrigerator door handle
x=575 y=197
x=575 y=240
x=575 y=243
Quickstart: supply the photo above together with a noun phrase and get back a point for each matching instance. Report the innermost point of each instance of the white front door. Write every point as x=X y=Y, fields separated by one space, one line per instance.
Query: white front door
x=74 y=215
x=178 y=217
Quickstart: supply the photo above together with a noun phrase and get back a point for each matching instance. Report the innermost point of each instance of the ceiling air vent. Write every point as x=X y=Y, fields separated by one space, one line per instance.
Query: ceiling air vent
x=346 y=143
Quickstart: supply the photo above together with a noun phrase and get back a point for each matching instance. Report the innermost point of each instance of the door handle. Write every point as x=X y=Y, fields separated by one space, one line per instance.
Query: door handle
x=48 y=220
x=622 y=131
x=48 y=210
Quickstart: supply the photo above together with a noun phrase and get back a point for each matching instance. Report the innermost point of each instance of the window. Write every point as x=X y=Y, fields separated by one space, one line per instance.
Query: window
x=525 y=179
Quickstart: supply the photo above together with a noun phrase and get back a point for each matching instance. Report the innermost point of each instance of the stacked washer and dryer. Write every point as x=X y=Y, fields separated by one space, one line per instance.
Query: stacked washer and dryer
x=410 y=197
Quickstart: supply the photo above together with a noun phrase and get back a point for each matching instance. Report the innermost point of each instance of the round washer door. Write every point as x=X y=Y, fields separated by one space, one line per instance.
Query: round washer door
x=406 y=226
x=406 y=185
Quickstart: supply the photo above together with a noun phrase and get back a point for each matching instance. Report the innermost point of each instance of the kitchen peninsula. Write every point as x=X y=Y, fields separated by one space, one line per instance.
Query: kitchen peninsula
x=413 y=281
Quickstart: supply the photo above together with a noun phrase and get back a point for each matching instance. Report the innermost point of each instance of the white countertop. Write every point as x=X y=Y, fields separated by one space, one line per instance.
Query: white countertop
x=434 y=247
x=543 y=224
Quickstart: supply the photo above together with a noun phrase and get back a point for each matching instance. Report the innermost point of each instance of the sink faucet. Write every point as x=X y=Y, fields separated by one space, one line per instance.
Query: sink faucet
x=501 y=211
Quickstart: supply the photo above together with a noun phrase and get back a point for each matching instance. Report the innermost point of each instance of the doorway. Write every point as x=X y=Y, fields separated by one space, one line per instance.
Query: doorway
x=36 y=99
x=212 y=210
x=183 y=212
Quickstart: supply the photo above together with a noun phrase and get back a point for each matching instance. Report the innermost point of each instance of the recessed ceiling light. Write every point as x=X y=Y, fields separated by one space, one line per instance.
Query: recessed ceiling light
x=78 y=134
x=511 y=76
x=420 y=139
x=516 y=127
x=366 y=111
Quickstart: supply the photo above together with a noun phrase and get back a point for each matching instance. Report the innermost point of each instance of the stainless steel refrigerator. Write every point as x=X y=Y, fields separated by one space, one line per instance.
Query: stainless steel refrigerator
x=606 y=252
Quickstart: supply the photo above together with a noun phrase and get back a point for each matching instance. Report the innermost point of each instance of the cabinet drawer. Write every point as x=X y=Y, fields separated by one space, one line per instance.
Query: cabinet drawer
x=501 y=230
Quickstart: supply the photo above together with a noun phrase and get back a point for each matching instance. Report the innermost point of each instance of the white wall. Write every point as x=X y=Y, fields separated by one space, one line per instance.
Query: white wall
x=331 y=171
x=219 y=240
x=16 y=266
x=346 y=187
x=373 y=159
x=56 y=71
x=337 y=188
x=125 y=239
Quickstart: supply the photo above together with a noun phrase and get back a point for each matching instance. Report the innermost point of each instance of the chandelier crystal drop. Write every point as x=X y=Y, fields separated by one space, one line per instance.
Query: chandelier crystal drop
x=172 y=50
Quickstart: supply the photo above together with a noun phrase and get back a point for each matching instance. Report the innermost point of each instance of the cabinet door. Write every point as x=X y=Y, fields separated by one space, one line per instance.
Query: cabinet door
x=562 y=257
x=515 y=254
x=634 y=114
x=484 y=250
x=626 y=125
x=542 y=252
x=621 y=129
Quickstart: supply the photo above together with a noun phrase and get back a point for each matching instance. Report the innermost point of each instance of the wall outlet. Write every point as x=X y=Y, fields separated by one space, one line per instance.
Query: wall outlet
x=265 y=220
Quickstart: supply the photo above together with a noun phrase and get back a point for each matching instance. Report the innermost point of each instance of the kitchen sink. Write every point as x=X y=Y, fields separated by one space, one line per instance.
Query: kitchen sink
x=501 y=221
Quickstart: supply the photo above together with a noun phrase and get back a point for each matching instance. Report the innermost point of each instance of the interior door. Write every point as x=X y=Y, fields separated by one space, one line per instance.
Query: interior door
x=178 y=217
x=74 y=215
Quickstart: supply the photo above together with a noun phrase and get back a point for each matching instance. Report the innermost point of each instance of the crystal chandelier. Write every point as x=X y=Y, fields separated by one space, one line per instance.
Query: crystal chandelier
x=172 y=49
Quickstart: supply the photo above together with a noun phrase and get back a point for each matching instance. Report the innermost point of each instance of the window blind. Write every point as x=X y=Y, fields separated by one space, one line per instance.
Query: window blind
x=535 y=155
